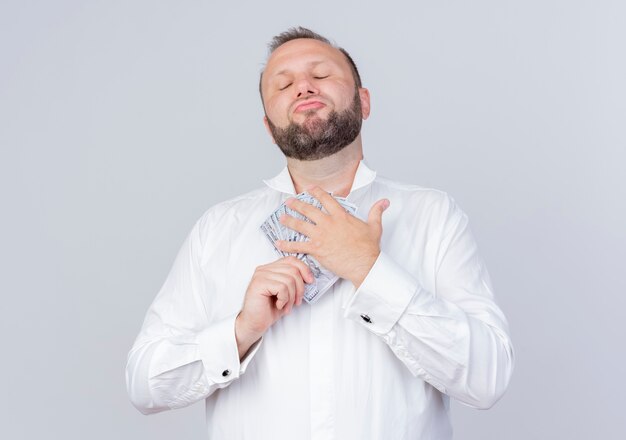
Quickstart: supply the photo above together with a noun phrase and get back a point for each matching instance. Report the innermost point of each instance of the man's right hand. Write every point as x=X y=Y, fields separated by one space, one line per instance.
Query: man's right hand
x=273 y=291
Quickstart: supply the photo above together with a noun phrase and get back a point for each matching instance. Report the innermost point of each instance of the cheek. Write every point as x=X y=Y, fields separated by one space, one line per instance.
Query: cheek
x=344 y=95
x=275 y=110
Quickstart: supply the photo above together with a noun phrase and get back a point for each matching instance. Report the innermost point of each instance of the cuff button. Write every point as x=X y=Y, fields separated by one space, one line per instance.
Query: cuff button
x=366 y=318
x=225 y=373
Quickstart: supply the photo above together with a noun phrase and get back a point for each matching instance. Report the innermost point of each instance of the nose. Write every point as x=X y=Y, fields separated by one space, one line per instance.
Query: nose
x=304 y=87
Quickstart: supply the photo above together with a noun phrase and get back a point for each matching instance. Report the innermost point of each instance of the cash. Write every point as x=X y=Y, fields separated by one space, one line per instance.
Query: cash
x=274 y=230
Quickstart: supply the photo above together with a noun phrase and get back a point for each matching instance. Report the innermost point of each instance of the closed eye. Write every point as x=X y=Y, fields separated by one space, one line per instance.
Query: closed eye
x=320 y=77
x=283 y=88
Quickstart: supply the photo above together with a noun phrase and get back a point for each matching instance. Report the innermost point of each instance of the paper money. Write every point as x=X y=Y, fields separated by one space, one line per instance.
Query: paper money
x=274 y=230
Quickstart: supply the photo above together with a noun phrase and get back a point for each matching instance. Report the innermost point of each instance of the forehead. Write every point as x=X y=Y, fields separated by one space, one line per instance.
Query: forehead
x=302 y=53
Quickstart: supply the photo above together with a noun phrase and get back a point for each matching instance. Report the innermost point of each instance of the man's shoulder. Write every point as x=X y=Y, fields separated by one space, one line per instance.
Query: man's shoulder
x=235 y=215
x=412 y=191
x=437 y=202
x=239 y=205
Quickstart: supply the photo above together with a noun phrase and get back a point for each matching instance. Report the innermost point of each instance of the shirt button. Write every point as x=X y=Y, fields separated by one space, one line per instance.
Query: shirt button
x=225 y=373
x=366 y=318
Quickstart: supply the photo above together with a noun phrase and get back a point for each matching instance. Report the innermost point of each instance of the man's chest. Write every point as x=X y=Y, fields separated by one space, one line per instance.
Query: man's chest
x=239 y=247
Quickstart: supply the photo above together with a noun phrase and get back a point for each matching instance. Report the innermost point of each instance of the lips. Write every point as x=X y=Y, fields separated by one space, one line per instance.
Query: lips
x=309 y=105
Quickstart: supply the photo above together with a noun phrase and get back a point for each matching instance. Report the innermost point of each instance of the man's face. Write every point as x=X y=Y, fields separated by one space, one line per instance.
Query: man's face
x=312 y=105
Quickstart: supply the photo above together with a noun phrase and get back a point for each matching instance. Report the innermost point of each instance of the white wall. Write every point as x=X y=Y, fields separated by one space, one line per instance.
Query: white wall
x=121 y=122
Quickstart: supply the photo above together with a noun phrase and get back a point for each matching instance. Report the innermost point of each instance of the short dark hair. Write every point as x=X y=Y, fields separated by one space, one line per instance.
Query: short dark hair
x=300 y=32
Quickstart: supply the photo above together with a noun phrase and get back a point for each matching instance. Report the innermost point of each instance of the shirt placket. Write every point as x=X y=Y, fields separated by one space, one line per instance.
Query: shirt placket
x=322 y=368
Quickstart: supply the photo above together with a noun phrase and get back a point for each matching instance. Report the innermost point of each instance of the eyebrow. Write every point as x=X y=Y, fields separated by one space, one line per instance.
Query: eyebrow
x=311 y=64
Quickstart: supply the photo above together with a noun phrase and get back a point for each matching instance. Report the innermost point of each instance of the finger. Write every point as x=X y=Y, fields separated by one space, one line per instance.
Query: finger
x=299 y=287
x=281 y=285
x=289 y=281
x=298 y=225
x=309 y=211
x=305 y=271
x=271 y=287
x=292 y=266
x=300 y=273
x=331 y=205
x=294 y=272
x=375 y=216
x=298 y=270
x=294 y=247
x=284 y=299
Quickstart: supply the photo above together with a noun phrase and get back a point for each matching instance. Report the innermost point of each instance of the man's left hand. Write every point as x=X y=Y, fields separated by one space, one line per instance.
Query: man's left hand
x=342 y=243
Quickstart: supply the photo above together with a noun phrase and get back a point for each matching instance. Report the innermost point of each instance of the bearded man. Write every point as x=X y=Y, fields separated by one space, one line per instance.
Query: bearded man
x=408 y=320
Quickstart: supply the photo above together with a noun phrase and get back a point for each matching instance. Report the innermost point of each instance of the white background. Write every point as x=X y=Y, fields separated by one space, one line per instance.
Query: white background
x=122 y=121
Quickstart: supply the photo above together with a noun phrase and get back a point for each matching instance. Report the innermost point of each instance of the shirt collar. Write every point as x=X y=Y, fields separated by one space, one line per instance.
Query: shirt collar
x=283 y=183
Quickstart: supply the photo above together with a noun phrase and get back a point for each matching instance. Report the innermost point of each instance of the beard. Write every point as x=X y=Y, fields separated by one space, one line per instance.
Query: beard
x=317 y=138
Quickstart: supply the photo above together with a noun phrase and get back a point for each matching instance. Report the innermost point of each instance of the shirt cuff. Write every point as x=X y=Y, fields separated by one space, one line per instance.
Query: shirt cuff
x=383 y=296
x=219 y=354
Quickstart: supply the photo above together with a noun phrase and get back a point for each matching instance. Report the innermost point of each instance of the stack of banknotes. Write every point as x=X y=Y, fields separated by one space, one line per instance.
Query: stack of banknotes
x=274 y=230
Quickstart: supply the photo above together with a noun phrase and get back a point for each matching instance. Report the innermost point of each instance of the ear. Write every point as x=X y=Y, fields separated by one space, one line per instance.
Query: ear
x=364 y=94
x=267 y=127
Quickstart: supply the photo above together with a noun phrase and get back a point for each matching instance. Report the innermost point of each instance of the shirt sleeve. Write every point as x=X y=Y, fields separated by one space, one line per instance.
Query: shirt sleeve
x=455 y=338
x=182 y=353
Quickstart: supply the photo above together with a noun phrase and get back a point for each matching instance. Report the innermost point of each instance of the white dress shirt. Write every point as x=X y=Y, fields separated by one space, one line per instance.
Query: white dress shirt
x=375 y=363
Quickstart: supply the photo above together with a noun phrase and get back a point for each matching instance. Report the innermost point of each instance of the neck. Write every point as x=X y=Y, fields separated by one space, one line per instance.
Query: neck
x=333 y=173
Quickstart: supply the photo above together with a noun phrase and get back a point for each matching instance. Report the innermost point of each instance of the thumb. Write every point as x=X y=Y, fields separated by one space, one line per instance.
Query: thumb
x=375 y=215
